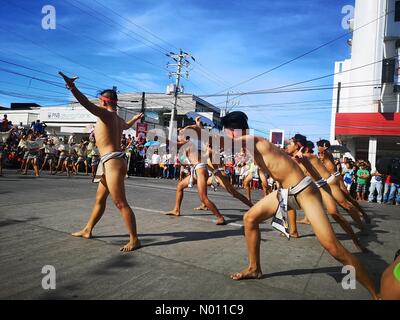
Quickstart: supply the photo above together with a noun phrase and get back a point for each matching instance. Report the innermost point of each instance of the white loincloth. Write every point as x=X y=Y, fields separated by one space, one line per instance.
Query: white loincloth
x=100 y=168
x=193 y=172
x=331 y=179
x=287 y=200
x=321 y=183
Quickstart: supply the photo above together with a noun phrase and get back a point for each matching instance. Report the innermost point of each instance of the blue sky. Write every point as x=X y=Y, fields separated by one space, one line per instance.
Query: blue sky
x=231 y=40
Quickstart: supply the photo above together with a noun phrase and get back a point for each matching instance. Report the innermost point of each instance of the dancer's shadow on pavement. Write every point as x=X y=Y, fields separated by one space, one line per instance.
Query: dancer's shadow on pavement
x=178 y=237
x=9 y=222
x=374 y=264
x=231 y=217
x=334 y=272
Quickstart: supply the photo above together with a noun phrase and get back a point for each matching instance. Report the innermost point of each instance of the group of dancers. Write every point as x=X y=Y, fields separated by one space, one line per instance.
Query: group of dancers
x=306 y=182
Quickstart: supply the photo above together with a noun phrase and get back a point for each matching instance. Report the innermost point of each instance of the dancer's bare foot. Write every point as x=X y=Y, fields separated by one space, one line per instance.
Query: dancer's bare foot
x=84 y=233
x=220 y=221
x=303 y=221
x=173 y=213
x=247 y=274
x=201 y=208
x=130 y=246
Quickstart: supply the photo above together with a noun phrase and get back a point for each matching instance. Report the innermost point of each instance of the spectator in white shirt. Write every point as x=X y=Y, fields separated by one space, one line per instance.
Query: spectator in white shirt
x=376 y=184
x=155 y=164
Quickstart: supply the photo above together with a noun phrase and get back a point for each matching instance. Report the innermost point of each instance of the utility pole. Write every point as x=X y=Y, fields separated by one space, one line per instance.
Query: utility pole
x=226 y=104
x=143 y=106
x=182 y=61
x=339 y=89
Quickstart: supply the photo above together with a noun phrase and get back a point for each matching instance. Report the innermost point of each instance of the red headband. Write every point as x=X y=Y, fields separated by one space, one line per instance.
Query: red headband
x=105 y=99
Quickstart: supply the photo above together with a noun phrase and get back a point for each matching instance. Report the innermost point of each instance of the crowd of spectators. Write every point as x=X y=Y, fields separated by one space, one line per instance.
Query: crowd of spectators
x=368 y=184
x=21 y=146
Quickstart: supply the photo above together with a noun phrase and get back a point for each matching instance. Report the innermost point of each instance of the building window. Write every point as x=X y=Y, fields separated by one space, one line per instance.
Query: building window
x=388 y=70
x=397 y=11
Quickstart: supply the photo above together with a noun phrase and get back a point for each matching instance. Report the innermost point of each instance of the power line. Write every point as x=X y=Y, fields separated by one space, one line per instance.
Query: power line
x=83 y=84
x=90 y=38
x=300 y=82
x=141 y=27
x=299 y=89
x=113 y=23
x=204 y=69
x=29 y=87
x=33 y=78
x=302 y=89
x=326 y=108
x=303 y=101
x=163 y=52
x=35 y=70
x=31 y=97
x=53 y=83
x=68 y=59
x=306 y=53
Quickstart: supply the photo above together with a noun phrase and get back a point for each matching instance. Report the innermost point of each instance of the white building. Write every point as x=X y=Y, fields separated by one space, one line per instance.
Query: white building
x=73 y=118
x=366 y=104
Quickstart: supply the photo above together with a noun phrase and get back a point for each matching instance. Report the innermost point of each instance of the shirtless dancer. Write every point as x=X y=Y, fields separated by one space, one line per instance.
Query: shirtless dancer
x=112 y=168
x=82 y=149
x=22 y=145
x=249 y=178
x=3 y=139
x=335 y=188
x=327 y=159
x=300 y=149
x=33 y=145
x=63 y=149
x=199 y=176
x=71 y=159
x=218 y=176
x=303 y=193
x=95 y=154
x=50 y=155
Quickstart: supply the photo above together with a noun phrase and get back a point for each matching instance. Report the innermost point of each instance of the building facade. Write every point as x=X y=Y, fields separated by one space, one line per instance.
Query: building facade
x=366 y=96
x=74 y=118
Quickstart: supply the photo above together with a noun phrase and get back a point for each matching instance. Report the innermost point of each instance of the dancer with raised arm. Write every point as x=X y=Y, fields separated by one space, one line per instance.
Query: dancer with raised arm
x=112 y=168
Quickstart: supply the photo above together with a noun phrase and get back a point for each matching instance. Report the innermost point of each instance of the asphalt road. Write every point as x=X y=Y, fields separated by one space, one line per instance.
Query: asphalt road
x=181 y=258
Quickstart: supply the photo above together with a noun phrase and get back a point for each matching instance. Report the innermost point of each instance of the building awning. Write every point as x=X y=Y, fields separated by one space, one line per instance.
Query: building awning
x=368 y=124
x=87 y=129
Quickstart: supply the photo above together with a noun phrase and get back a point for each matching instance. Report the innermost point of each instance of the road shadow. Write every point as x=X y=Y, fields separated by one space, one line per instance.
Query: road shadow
x=115 y=264
x=374 y=264
x=178 y=237
x=231 y=217
x=123 y=239
x=10 y=222
x=334 y=272
x=63 y=292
